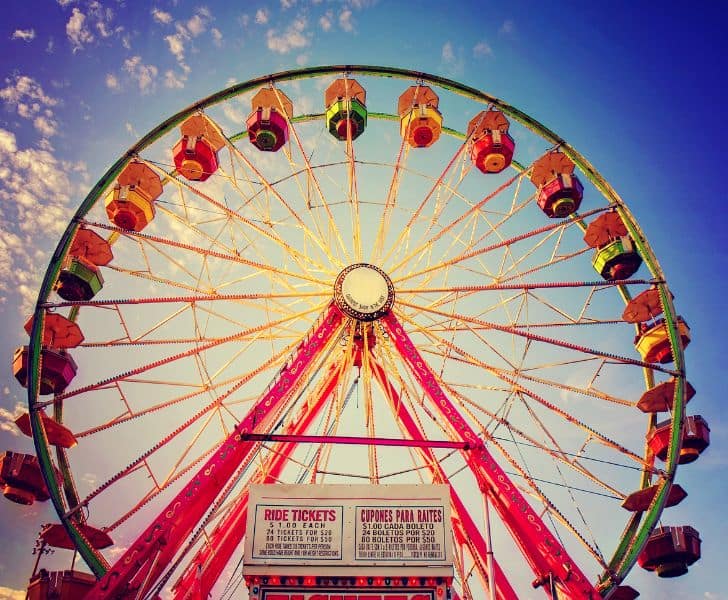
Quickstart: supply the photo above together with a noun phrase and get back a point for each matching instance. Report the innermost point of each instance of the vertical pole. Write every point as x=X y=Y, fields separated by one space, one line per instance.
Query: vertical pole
x=489 y=550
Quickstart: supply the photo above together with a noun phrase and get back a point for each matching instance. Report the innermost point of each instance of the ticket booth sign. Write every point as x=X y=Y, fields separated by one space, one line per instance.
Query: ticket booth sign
x=348 y=526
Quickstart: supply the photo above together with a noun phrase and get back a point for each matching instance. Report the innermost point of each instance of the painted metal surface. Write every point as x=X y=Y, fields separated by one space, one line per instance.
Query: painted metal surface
x=140 y=566
x=538 y=545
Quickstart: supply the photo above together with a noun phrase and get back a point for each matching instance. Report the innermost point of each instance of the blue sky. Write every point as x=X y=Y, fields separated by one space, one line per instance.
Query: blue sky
x=637 y=89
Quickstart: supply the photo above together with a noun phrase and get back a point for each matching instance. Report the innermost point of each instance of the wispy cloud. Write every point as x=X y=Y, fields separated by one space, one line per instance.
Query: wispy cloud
x=112 y=82
x=161 y=16
x=261 y=16
x=185 y=32
x=345 y=20
x=293 y=37
x=7 y=593
x=23 y=88
x=173 y=80
x=176 y=43
x=325 y=21
x=507 y=27
x=7 y=421
x=35 y=198
x=452 y=60
x=26 y=35
x=216 y=36
x=92 y=26
x=197 y=24
x=26 y=96
x=45 y=125
x=77 y=31
x=482 y=49
x=144 y=75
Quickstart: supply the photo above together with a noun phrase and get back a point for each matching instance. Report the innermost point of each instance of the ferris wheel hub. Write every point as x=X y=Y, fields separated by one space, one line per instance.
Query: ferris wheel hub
x=363 y=292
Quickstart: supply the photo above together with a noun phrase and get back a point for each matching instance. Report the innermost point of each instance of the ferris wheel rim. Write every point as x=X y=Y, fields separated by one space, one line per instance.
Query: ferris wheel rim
x=625 y=557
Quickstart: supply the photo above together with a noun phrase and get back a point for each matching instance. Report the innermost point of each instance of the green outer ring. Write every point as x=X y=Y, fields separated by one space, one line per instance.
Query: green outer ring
x=635 y=535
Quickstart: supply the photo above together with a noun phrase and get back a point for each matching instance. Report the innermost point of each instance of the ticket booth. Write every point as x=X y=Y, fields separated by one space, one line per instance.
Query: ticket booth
x=348 y=542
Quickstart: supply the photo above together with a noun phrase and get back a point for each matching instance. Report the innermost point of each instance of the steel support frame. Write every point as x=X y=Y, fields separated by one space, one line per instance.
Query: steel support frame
x=146 y=558
x=543 y=552
x=463 y=525
x=205 y=568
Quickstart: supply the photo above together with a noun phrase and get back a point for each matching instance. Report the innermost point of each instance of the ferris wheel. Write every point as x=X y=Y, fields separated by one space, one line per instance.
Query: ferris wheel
x=357 y=275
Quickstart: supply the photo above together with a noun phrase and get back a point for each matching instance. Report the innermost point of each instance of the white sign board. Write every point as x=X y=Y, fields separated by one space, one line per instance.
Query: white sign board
x=349 y=525
x=297 y=532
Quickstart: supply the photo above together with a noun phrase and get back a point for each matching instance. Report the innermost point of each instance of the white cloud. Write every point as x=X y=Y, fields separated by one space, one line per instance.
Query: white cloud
x=176 y=46
x=453 y=62
x=448 y=54
x=23 y=88
x=507 y=28
x=185 y=32
x=36 y=191
x=7 y=593
x=302 y=59
x=325 y=21
x=7 y=141
x=216 y=36
x=81 y=26
x=196 y=25
x=77 y=31
x=26 y=95
x=261 y=16
x=286 y=4
x=45 y=125
x=112 y=82
x=23 y=34
x=7 y=423
x=103 y=29
x=293 y=37
x=143 y=74
x=65 y=2
x=174 y=81
x=161 y=16
x=345 y=20
x=482 y=49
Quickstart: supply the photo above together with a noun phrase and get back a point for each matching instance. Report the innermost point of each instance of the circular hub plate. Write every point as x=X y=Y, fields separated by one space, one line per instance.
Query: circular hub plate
x=364 y=292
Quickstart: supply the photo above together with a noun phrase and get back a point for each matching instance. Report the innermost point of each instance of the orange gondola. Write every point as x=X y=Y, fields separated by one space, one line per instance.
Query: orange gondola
x=420 y=121
x=131 y=204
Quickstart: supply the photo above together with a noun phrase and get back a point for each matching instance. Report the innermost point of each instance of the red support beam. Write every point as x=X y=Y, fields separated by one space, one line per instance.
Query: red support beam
x=207 y=565
x=348 y=440
x=463 y=525
x=539 y=546
x=139 y=567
